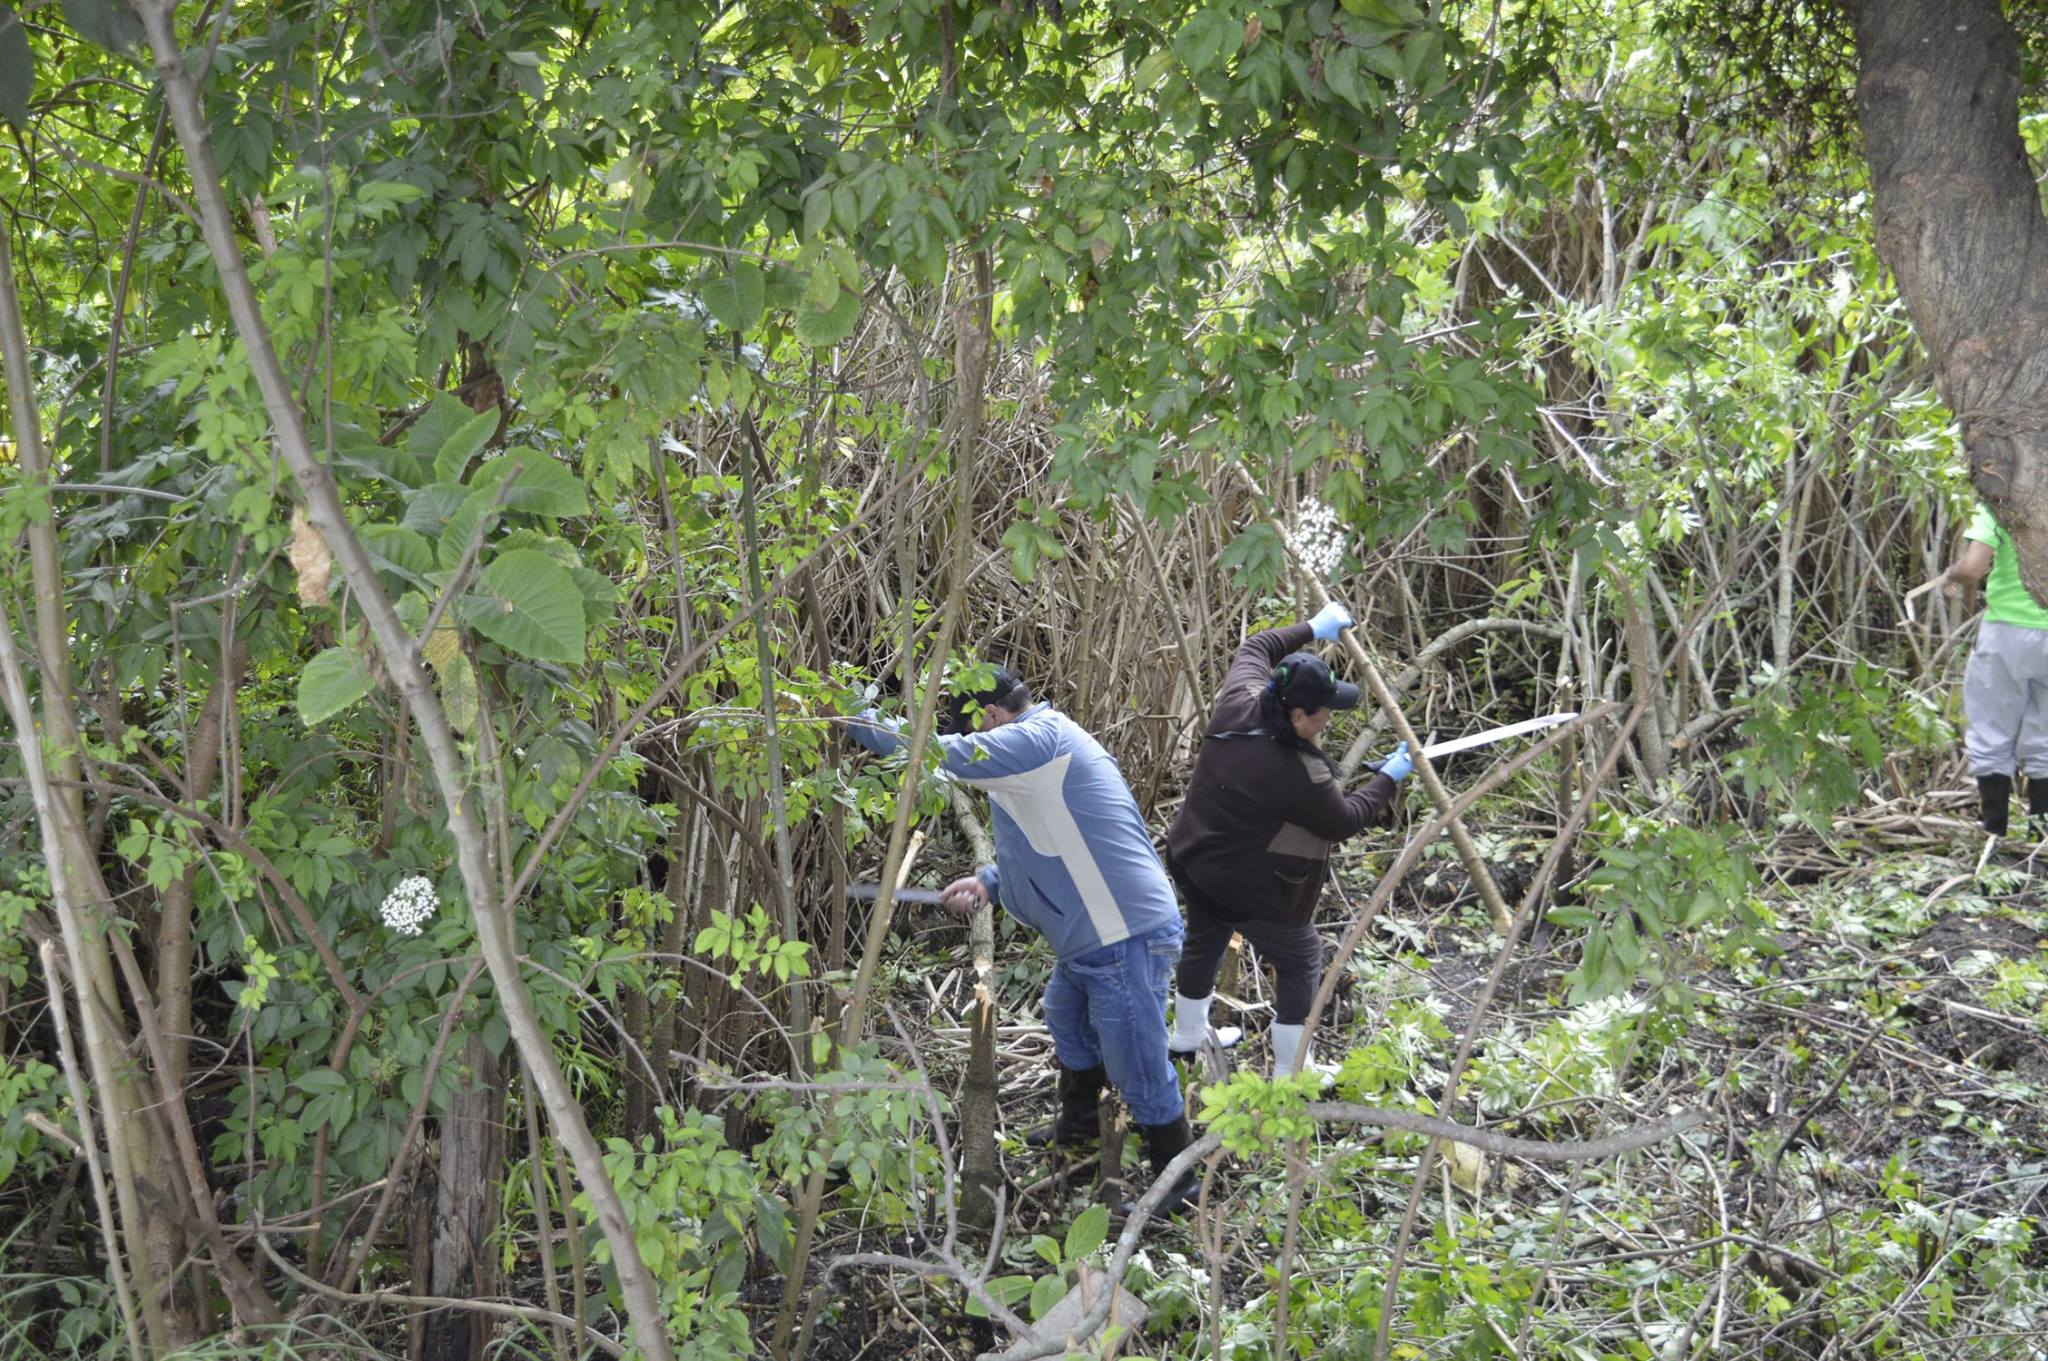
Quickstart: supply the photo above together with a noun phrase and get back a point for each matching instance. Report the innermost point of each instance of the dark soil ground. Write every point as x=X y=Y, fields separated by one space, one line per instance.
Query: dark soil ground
x=1863 y=1043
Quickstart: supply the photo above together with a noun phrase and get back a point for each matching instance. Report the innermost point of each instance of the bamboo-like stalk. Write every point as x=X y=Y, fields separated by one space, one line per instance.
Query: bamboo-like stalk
x=764 y=662
x=62 y=819
x=68 y=1056
x=972 y=339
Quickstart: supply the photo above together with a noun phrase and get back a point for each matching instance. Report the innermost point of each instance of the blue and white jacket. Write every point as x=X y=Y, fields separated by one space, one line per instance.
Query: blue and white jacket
x=1073 y=856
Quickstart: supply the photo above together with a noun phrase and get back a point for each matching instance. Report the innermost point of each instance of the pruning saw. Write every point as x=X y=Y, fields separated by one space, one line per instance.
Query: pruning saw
x=1491 y=735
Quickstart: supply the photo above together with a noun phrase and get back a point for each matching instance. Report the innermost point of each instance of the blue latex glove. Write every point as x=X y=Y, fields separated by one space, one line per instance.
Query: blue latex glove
x=1398 y=766
x=1330 y=620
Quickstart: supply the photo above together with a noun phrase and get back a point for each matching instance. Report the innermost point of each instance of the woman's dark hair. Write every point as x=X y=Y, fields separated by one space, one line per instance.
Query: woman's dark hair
x=1276 y=720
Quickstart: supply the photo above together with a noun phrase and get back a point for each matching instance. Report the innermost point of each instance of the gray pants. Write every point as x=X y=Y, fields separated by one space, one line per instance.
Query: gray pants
x=2005 y=701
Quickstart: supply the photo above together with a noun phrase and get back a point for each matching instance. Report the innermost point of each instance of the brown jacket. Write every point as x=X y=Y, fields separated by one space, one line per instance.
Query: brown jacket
x=1255 y=831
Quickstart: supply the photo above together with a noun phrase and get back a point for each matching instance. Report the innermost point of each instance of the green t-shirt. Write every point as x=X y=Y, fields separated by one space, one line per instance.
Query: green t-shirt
x=2005 y=600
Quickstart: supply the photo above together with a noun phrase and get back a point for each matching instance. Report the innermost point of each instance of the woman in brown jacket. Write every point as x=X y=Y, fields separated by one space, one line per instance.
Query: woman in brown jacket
x=1251 y=847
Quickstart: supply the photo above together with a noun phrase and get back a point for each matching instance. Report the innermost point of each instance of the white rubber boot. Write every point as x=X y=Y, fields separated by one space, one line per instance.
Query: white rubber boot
x=1286 y=1041
x=1191 y=1026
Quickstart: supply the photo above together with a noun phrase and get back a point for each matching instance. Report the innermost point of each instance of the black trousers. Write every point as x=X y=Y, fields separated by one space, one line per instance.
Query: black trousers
x=1295 y=952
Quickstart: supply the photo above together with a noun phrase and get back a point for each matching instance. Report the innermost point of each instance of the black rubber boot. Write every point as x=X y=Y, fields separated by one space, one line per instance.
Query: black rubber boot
x=1077 y=1121
x=1162 y=1143
x=2037 y=796
x=1994 y=797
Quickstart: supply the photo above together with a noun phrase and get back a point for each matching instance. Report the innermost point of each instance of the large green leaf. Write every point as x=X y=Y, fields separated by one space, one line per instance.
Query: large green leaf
x=17 y=69
x=331 y=682
x=446 y=414
x=543 y=486
x=1086 y=1233
x=398 y=549
x=528 y=603
x=735 y=297
x=461 y=446
x=430 y=509
x=110 y=23
x=399 y=467
x=462 y=525
x=828 y=326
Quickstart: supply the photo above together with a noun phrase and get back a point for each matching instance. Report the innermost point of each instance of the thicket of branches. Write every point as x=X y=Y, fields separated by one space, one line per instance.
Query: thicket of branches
x=464 y=470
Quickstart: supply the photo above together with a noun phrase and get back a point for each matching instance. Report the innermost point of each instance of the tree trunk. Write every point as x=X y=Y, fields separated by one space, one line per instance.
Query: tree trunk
x=980 y=1095
x=173 y=963
x=1653 y=734
x=462 y=1263
x=1959 y=222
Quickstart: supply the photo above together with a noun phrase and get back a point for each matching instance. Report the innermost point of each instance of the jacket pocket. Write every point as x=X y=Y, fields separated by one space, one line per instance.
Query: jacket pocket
x=1045 y=900
x=1294 y=878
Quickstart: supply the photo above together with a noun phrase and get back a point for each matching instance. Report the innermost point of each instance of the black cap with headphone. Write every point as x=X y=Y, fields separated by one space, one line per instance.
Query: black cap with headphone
x=1004 y=686
x=1302 y=681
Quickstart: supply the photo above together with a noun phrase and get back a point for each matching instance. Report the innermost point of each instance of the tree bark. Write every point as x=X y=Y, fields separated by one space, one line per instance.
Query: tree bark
x=1959 y=222
x=461 y=1263
x=980 y=1094
x=980 y=1175
x=173 y=955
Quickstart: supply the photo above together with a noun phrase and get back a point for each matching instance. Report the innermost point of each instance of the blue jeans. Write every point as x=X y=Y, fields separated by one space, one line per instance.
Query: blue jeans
x=1108 y=1007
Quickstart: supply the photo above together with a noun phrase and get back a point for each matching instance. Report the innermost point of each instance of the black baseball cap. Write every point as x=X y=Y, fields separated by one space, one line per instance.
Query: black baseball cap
x=1302 y=681
x=962 y=709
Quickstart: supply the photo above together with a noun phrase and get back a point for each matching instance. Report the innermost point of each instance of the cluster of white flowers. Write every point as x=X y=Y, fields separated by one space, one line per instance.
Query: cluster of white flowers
x=410 y=904
x=1318 y=539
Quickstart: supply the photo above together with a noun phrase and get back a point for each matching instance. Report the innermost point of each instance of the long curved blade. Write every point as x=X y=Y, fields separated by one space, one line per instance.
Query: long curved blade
x=1492 y=735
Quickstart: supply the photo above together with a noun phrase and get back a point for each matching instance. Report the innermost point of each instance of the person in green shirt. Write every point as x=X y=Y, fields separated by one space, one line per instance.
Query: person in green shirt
x=2005 y=687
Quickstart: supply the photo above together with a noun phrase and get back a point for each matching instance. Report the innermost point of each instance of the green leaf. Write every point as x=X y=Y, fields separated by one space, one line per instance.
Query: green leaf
x=735 y=298
x=1256 y=555
x=459 y=692
x=826 y=327
x=1006 y=1290
x=1340 y=73
x=1087 y=1232
x=398 y=549
x=330 y=683
x=527 y=603
x=817 y=212
x=1152 y=68
x=108 y=23
x=1049 y=1291
x=443 y=417
x=463 y=444
x=1379 y=11
x=321 y=1081
x=1205 y=38
x=17 y=69
x=1381 y=58
x=542 y=486
x=462 y=525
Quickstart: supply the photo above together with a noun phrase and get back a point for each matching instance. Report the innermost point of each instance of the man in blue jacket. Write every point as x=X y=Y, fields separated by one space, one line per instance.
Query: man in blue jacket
x=1075 y=861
